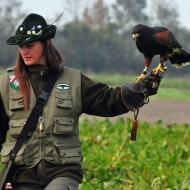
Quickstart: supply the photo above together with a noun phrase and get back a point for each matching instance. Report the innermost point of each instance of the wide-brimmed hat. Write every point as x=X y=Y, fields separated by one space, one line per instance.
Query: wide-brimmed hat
x=33 y=28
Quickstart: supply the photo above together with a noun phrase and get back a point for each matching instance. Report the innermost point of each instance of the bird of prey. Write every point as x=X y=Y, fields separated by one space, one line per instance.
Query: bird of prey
x=159 y=41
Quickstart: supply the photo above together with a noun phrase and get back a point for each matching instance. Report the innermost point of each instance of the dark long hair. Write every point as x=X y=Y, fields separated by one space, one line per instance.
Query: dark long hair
x=53 y=59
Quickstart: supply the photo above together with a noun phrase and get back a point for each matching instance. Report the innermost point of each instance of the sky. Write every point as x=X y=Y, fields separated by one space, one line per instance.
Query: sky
x=50 y=9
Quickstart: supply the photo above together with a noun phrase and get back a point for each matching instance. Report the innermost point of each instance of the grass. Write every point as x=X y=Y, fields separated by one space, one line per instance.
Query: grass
x=172 y=93
x=158 y=160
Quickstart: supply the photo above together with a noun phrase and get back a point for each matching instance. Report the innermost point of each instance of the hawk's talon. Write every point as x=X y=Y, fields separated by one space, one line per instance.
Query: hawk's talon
x=159 y=68
x=139 y=78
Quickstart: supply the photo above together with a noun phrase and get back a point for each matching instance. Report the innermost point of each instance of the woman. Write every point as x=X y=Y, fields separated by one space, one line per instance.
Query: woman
x=51 y=155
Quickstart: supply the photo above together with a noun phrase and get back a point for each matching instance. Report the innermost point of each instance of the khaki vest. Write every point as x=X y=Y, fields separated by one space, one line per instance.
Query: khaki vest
x=59 y=142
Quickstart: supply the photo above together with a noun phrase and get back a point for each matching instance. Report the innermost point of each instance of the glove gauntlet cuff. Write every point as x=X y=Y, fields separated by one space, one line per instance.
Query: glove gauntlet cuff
x=132 y=98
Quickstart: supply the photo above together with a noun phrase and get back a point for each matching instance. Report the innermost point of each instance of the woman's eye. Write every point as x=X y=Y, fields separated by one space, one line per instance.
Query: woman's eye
x=29 y=45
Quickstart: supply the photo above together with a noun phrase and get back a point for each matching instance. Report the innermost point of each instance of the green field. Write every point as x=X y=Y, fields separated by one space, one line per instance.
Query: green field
x=157 y=160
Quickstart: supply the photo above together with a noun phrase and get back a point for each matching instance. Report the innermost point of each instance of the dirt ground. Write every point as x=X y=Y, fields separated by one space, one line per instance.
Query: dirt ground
x=169 y=111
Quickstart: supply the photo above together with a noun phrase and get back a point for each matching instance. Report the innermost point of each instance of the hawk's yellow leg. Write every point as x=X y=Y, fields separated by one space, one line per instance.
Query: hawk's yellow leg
x=142 y=75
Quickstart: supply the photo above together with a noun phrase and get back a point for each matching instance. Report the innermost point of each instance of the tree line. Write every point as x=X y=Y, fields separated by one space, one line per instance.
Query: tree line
x=100 y=40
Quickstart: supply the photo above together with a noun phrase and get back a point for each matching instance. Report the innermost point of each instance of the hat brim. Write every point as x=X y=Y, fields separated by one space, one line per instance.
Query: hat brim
x=49 y=35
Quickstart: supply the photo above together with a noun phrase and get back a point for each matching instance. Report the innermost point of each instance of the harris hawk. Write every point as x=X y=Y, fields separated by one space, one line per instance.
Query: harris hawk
x=159 y=40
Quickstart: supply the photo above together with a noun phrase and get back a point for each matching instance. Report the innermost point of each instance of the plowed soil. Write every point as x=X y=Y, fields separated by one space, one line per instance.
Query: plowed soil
x=169 y=111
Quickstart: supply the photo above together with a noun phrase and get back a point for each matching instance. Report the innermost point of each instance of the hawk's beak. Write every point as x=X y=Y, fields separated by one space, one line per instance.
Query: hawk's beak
x=135 y=36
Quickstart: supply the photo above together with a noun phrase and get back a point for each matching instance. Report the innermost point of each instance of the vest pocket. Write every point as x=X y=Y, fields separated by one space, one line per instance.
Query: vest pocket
x=15 y=127
x=70 y=151
x=63 y=125
x=64 y=100
x=5 y=153
x=16 y=102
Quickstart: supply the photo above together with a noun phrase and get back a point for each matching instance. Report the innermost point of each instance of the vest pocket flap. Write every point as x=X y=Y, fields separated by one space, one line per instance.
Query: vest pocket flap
x=16 y=102
x=63 y=125
x=70 y=152
x=64 y=96
x=63 y=120
x=16 y=96
x=68 y=144
x=15 y=127
x=64 y=100
x=5 y=152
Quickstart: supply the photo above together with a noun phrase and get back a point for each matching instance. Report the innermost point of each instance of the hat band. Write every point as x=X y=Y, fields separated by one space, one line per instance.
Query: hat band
x=19 y=38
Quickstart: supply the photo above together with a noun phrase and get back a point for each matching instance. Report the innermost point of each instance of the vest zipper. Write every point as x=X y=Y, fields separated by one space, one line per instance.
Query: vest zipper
x=41 y=120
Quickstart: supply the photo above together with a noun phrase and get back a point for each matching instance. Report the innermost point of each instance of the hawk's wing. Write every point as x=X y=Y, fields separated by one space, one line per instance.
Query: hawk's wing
x=167 y=39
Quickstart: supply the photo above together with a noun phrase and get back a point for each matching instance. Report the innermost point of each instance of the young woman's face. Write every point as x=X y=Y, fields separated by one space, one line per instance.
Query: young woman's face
x=32 y=53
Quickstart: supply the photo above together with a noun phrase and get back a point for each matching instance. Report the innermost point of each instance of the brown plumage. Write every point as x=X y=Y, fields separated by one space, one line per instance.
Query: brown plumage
x=159 y=41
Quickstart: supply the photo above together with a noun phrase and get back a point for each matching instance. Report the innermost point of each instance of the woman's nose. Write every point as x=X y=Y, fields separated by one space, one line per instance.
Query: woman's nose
x=24 y=50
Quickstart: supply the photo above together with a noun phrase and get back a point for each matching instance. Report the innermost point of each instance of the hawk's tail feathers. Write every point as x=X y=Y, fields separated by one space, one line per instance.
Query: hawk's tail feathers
x=180 y=59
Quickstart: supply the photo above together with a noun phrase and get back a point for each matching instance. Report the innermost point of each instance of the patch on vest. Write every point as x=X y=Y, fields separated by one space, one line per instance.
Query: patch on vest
x=63 y=86
x=14 y=82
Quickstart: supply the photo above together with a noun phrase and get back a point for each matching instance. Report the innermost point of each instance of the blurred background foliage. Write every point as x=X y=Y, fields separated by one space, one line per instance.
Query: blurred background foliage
x=97 y=42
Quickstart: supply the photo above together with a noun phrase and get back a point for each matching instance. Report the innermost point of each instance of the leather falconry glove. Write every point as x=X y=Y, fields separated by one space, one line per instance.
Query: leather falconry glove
x=134 y=94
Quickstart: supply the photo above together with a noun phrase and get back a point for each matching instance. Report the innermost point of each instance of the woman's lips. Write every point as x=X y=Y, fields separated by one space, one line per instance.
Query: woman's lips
x=26 y=58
